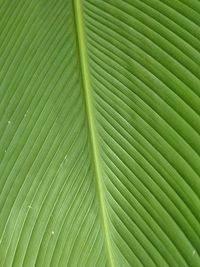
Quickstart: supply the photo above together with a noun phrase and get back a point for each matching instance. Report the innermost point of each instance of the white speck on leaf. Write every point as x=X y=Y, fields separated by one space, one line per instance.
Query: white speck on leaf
x=193 y=253
x=52 y=232
x=30 y=207
x=9 y=122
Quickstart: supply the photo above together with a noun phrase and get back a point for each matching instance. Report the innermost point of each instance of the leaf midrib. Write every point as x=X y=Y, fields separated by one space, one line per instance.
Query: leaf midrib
x=87 y=88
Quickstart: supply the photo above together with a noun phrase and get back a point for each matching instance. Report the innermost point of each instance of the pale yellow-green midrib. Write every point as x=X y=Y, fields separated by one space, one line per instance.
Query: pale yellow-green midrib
x=78 y=9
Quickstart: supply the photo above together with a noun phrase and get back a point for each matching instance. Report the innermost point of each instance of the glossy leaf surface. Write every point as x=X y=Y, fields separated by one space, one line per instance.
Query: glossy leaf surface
x=99 y=133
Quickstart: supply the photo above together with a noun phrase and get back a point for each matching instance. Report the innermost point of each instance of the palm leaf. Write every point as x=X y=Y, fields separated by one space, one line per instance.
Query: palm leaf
x=99 y=133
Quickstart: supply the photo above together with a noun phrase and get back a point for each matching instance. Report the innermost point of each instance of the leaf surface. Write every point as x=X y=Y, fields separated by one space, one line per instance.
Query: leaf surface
x=100 y=133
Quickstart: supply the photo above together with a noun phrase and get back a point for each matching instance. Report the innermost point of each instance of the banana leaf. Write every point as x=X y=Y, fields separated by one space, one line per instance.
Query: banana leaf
x=99 y=133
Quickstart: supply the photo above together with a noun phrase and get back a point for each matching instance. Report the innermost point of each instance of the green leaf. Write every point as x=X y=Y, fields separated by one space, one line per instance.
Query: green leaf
x=100 y=133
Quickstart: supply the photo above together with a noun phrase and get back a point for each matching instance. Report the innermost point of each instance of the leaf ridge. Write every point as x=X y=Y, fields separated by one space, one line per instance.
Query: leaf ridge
x=79 y=21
